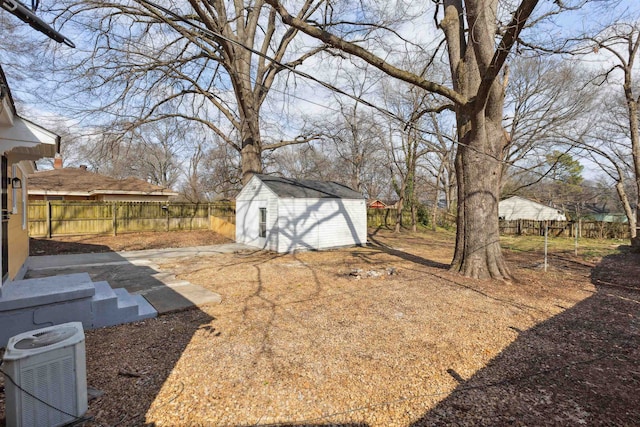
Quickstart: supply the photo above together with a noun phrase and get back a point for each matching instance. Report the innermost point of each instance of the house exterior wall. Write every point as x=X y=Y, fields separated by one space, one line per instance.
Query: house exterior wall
x=131 y=198
x=41 y=197
x=101 y=198
x=321 y=223
x=256 y=195
x=17 y=228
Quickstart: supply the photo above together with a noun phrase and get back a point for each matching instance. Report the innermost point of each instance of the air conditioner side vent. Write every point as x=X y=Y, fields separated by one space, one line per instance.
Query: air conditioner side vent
x=52 y=367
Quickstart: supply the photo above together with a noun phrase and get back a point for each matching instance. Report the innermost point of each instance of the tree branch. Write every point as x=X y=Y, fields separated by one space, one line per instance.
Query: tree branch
x=514 y=28
x=366 y=56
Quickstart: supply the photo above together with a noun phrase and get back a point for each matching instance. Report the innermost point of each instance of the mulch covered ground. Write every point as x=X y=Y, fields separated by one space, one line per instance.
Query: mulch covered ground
x=379 y=336
x=123 y=242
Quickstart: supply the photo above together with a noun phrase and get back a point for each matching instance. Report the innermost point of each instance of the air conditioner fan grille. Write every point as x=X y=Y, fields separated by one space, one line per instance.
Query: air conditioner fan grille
x=44 y=339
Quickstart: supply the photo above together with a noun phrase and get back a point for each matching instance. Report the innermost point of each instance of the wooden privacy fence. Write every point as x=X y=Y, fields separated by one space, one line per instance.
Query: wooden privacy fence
x=63 y=218
x=586 y=229
x=387 y=218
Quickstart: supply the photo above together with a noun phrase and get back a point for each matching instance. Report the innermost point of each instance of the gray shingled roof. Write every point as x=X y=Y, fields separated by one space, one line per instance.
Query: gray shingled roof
x=308 y=189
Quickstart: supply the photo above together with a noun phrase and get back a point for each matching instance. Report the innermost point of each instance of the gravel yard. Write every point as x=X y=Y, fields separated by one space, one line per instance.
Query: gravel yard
x=379 y=336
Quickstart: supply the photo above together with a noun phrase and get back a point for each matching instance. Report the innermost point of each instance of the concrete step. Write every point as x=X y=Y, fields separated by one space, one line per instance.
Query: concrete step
x=145 y=310
x=116 y=306
x=104 y=305
x=25 y=293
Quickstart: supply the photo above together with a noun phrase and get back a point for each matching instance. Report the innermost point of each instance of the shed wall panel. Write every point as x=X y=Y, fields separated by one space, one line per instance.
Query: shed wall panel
x=298 y=227
x=320 y=223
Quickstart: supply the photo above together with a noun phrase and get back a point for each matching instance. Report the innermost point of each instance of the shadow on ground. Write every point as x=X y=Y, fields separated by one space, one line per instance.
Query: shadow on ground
x=48 y=246
x=577 y=368
x=382 y=247
x=142 y=354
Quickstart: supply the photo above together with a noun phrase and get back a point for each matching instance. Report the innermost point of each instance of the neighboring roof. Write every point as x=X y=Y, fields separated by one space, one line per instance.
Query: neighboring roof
x=376 y=202
x=6 y=100
x=520 y=208
x=308 y=189
x=610 y=217
x=81 y=182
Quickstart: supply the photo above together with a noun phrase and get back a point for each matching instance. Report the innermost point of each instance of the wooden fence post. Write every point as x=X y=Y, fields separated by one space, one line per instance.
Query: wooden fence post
x=546 y=243
x=114 y=207
x=168 y=216
x=48 y=218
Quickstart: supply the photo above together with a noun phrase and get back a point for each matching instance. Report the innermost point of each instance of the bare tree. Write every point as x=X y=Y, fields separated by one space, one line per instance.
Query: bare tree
x=621 y=42
x=212 y=62
x=548 y=103
x=609 y=147
x=407 y=144
x=440 y=164
x=475 y=59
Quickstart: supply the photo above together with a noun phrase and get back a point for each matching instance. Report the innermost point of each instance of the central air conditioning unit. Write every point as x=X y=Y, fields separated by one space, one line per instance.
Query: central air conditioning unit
x=45 y=377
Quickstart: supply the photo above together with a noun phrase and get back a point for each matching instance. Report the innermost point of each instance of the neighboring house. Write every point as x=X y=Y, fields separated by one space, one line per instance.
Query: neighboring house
x=598 y=213
x=28 y=304
x=515 y=208
x=610 y=217
x=21 y=142
x=284 y=215
x=377 y=204
x=381 y=204
x=74 y=184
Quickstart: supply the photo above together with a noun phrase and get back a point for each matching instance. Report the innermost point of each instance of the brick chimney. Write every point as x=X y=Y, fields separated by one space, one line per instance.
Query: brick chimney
x=57 y=161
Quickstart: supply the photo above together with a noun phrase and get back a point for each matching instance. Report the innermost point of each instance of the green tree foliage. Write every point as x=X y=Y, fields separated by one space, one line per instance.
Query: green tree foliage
x=564 y=168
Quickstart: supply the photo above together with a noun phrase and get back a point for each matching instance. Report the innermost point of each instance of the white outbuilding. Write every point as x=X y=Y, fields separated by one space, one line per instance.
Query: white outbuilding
x=515 y=208
x=285 y=215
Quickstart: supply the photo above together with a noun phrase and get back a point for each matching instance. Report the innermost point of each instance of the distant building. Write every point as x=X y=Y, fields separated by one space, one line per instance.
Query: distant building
x=74 y=184
x=377 y=204
x=515 y=208
x=285 y=215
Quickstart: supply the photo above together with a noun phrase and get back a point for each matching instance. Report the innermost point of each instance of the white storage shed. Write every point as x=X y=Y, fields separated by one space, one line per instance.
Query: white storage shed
x=285 y=215
x=515 y=208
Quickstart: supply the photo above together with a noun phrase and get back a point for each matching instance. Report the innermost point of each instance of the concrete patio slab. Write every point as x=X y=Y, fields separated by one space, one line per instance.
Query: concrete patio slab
x=138 y=273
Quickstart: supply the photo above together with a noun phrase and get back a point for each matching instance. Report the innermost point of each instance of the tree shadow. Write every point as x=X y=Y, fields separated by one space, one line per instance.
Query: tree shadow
x=383 y=247
x=140 y=355
x=579 y=367
x=48 y=246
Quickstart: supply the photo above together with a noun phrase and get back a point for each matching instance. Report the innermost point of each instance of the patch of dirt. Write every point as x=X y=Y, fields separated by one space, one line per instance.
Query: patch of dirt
x=124 y=242
x=299 y=340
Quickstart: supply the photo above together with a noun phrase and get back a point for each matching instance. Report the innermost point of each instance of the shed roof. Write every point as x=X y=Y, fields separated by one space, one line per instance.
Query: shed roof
x=77 y=180
x=308 y=189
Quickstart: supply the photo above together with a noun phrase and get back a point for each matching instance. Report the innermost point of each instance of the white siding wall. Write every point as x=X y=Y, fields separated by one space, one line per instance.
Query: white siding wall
x=518 y=208
x=254 y=196
x=321 y=223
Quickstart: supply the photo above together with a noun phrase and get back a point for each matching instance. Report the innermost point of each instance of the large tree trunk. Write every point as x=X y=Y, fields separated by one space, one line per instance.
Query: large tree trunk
x=627 y=209
x=632 y=107
x=475 y=61
x=251 y=152
x=478 y=253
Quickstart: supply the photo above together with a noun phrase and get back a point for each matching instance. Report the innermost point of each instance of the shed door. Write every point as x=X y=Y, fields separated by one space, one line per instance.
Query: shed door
x=251 y=223
x=262 y=225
